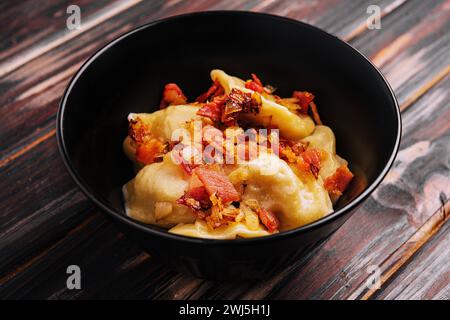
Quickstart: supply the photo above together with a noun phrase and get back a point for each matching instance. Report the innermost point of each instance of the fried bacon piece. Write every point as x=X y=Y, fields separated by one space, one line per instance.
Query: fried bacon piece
x=290 y=150
x=310 y=160
x=150 y=151
x=269 y=219
x=239 y=101
x=304 y=98
x=225 y=108
x=216 y=89
x=338 y=181
x=139 y=131
x=148 y=148
x=172 y=95
x=255 y=84
x=197 y=199
x=216 y=182
x=213 y=109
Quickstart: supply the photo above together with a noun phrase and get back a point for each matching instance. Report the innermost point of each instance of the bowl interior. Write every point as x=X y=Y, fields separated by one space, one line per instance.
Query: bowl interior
x=129 y=74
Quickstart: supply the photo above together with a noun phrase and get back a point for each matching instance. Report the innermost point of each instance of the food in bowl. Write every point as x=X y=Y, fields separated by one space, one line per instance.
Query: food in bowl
x=238 y=162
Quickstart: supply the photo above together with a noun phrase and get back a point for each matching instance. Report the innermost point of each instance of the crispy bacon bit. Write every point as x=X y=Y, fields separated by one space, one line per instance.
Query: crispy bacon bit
x=299 y=147
x=216 y=89
x=338 y=181
x=310 y=160
x=216 y=182
x=290 y=150
x=252 y=85
x=221 y=216
x=255 y=84
x=256 y=79
x=225 y=108
x=139 y=131
x=304 y=98
x=213 y=109
x=196 y=198
x=244 y=101
x=172 y=95
x=150 y=151
x=269 y=219
x=315 y=113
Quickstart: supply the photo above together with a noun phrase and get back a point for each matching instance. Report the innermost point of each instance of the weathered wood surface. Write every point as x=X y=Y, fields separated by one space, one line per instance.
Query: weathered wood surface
x=47 y=224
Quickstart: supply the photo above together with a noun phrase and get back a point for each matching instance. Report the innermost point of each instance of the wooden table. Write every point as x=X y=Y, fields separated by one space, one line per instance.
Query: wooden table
x=47 y=224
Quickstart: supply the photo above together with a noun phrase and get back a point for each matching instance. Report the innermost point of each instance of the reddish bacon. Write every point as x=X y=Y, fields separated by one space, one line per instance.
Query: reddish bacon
x=213 y=109
x=172 y=95
x=269 y=219
x=216 y=182
x=304 y=99
x=149 y=151
x=196 y=198
x=255 y=84
x=139 y=131
x=215 y=90
x=338 y=181
x=310 y=160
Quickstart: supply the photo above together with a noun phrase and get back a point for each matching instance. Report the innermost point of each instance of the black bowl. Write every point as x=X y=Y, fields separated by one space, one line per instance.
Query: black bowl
x=128 y=75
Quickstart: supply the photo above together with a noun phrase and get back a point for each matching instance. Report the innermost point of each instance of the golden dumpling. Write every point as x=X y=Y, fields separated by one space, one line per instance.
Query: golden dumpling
x=276 y=187
x=323 y=138
x=151 y=196
x=291 y=125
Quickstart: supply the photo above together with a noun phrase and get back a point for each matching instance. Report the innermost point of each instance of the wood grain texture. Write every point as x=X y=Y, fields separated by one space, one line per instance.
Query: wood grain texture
x=411 y=51
x=398 y=260
x=427 y=275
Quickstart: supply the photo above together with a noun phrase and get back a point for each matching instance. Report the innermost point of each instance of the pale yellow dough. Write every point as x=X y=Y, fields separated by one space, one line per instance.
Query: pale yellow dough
x=274 y=184
x=323 y=138
x=199 y=229
x=151 y=196
x=291 y=126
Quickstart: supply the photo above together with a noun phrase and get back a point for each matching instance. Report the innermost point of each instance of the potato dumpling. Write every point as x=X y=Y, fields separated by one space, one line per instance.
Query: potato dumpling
x=323 y=138
x=151 y=196
x=163 y=123
x=291 y=125
x=276 y=187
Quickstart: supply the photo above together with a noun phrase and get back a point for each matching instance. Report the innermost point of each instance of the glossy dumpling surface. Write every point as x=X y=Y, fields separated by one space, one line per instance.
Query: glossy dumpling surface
x=272 y=114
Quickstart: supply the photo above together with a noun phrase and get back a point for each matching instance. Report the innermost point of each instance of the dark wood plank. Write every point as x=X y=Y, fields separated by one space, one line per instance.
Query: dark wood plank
x=427 y=276
x=39 y=205
x=42 y=26
x=392 y=267
x=413 y=47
